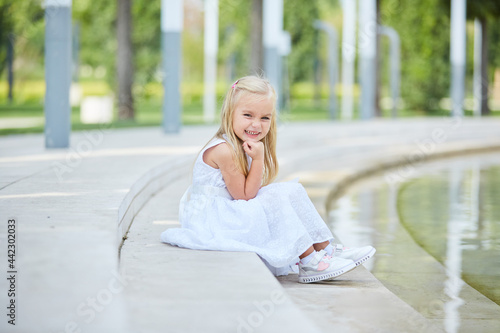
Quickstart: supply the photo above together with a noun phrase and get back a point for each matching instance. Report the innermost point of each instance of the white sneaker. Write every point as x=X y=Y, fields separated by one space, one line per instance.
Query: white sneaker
x=323 y=267
x=357 y=254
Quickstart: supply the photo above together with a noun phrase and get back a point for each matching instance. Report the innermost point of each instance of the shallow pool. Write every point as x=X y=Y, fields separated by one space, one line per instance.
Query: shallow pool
x=437 y=236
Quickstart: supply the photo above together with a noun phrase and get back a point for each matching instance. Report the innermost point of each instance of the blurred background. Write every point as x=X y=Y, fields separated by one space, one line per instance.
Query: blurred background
x=423 y=28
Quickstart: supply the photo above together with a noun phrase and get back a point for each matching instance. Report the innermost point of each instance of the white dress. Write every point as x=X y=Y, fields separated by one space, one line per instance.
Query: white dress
x=279 y=224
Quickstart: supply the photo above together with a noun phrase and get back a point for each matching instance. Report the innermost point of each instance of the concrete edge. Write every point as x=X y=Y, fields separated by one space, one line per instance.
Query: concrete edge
x=160 y=176
x=401 y=160
x=155 y=180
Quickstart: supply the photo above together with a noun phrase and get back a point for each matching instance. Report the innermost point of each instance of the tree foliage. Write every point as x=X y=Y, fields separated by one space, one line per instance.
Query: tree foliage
x=97 y=21
x=299 y=17
x=234 y=33
x=423 y=26
x=6 y=26
x=22 y=23
x=424 y=31
x=490 y=11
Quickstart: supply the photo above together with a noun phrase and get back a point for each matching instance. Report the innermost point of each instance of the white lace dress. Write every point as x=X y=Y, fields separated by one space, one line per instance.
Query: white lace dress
x=279 y=224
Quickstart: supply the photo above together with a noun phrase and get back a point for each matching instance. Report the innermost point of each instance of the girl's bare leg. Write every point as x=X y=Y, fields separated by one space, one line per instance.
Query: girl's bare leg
x=314 y=247
x=321 y=246
x=308 y=252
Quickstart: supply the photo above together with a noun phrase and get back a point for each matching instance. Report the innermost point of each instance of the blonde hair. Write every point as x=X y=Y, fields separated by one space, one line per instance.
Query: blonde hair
x=260 y=89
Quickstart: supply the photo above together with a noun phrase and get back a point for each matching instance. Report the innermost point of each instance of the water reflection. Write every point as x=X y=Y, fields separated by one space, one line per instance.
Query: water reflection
x=453 y=263
x=432 y=233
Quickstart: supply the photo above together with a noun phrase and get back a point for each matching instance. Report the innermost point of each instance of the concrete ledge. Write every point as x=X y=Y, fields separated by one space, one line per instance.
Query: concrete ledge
x=68 y=233
x=362 y=300
x=192 y=291
x=141 y=191
x=389 y=165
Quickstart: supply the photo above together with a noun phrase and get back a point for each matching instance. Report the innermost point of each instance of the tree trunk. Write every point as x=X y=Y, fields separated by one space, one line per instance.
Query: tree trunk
x=485 y=110
x=124 y=61
x=257 y=55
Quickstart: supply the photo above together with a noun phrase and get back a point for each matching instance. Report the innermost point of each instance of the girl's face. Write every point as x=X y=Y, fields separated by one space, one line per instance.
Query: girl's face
x=252 y=118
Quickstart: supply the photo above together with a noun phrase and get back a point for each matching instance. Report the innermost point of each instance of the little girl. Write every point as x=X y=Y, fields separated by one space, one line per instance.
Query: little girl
x=232 y=204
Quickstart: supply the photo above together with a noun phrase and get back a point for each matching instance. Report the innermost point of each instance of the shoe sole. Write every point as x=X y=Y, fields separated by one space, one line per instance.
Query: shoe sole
x=361 y=260
x=365 y=257
x=330 y=275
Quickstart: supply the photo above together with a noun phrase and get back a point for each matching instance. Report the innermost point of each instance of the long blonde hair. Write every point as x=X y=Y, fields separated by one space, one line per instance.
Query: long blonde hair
x=261 y=89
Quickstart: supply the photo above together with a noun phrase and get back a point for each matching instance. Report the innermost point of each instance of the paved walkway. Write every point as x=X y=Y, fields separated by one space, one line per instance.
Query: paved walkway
x=74 y=206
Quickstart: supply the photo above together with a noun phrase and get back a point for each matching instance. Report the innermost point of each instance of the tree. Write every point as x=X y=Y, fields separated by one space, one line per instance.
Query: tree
x=21 y=32
x=124 y=60
x=6 y=27
x=233 y=14
x=485 y=11
x=97 y=22
x=424 y=29
x=299 y=17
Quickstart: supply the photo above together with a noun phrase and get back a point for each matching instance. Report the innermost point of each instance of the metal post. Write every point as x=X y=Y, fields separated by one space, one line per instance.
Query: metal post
x=57 y=73
x=367 y=43
x=171 y=28
x=348 y=56
x=457 y=55
x=272 y=26
x=478 y=40
x=332 y=63
x=211 y=44
x=394 y=60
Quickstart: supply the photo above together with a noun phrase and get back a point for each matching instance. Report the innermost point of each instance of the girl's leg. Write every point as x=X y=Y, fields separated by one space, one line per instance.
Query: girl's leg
x=321 y=246
x=308 y=252
x=314 y=247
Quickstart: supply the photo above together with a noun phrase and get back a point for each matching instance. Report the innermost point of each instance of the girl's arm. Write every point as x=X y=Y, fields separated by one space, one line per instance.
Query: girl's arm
x=239 y=186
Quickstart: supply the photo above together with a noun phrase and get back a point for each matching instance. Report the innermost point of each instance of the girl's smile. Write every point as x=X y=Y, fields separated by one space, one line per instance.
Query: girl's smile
x=252 y=119
x=253 y=135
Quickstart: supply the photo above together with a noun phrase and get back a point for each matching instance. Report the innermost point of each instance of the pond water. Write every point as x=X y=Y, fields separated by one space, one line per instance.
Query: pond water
x=437 y=235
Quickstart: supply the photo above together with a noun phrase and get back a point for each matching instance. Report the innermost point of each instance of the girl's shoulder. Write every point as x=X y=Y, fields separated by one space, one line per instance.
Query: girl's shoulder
x=218 y=154
x=215 y=141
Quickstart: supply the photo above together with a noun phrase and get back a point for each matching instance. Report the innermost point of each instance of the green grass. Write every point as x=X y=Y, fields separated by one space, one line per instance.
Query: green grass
x=21 y=110
x=149 y=113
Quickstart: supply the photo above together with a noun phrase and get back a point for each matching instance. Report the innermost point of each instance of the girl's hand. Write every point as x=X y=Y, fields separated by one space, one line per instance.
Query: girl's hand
x=254 y=149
